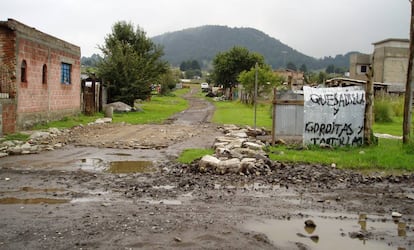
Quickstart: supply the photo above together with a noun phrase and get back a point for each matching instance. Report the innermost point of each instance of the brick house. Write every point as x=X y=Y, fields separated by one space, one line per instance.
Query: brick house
x=39 y=77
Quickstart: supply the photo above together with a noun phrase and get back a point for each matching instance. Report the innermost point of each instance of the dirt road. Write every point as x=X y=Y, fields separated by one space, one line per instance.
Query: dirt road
x=117 y=187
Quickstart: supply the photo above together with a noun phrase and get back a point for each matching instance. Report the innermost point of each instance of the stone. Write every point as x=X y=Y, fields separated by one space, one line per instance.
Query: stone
x=396 y=215
x=222 y=152
x=15 y=150
x=325 y=145
x=8 y=144
x=252 y=145
x=26 y=147
x=231 y=165
x=220 y=145
x=280 y=142
x=224 y=139
x=237 y=134
x=237 y=143
x=54 y=131
x=119 y=107
x=208 y=162
x=310 y=223
x=3 y=155
x=247 y=152
x=39 y=134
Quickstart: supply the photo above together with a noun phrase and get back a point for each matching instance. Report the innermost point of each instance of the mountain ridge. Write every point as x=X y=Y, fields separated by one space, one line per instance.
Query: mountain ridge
x=202 y=43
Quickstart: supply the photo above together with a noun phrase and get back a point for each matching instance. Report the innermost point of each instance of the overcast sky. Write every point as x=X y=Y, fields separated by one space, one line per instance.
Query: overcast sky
x=314 y=27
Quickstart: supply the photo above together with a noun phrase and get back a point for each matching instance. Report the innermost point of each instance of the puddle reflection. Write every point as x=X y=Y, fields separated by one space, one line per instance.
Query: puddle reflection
x=13 y=200
x=125 y=167
x=336 y=232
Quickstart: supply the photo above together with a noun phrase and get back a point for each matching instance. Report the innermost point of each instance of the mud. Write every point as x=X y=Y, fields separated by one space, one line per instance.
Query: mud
x=70 y=199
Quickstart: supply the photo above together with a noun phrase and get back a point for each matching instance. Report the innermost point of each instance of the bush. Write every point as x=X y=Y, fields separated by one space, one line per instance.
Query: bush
x=383 y=112
x=397 y=104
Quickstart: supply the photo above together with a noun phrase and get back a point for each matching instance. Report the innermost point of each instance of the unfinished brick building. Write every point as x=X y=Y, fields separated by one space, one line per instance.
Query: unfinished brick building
x=39 y=77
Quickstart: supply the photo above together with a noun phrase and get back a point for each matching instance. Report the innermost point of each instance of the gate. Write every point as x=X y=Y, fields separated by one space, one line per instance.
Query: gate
x=287 y=115
x=91 y=96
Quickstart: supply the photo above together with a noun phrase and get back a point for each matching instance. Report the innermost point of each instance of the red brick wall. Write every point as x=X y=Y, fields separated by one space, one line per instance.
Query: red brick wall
x=7 y=62
x=37 y=101
x=8 y=117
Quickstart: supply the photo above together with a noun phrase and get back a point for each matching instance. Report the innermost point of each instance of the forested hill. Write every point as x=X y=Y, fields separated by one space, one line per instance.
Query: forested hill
x=203 y=43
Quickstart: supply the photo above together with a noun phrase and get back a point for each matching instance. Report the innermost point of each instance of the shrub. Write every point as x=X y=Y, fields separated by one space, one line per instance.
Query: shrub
x=382 y=110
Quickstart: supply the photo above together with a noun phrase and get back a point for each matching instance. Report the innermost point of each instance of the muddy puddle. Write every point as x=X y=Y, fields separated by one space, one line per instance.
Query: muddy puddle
x=115 y=167
x=31 y=201
x=90 y=164
x=338 y=232
x=126 y=167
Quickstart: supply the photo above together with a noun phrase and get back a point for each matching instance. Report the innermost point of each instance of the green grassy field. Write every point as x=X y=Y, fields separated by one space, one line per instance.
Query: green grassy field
x=154 y=111
x=240 y=114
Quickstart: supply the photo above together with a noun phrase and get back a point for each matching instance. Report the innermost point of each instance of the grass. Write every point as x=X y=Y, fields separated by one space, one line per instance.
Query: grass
x=68 y=122
x=189 y=155
x=233 y=112
x=16 y=136
x=392 y=128
x=157 y=110
x=387 y=155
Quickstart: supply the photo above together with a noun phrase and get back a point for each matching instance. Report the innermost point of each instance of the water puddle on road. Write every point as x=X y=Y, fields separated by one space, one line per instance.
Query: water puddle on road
x=337 y=233
x=126 y=167
x=13 y=200
x=90 y=164
x=119 y=154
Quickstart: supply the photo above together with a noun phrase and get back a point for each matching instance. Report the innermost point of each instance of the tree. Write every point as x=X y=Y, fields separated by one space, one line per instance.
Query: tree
x=303 y=68
x=191 y=69
x=228 y=65
x=330 y=69
x=168 y=81
x=322 y=77
x=266 y=81
x=131 y=63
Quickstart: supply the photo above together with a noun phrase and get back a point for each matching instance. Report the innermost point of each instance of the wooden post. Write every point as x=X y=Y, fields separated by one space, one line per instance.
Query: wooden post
x=408 y=86
x=369 y=96
x=274 y=118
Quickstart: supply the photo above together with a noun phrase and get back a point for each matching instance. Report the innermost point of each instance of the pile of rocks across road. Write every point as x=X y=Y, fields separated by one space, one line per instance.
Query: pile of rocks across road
x=47 y=140
x=238 y=151
x=38 y=141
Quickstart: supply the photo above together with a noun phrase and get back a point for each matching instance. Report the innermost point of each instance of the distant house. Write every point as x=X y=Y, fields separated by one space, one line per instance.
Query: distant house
x=292 y=77
x=389 y=62
x=39 y=77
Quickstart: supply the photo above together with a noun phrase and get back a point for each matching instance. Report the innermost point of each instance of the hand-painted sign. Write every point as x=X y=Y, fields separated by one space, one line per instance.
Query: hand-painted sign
x=334 y=116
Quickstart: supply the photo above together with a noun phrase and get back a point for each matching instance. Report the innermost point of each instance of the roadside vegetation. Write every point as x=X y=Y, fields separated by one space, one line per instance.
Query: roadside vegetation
x=389 y=154
x=157 y=110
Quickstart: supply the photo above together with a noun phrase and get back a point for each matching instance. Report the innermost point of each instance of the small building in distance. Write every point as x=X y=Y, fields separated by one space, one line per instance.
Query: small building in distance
x=293 y=78
x=39 y=77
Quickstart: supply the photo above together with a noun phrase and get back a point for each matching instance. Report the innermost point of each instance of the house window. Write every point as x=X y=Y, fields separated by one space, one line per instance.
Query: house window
x=364 y=68
x=44 y=74
x=65 y=74
x=23 y=71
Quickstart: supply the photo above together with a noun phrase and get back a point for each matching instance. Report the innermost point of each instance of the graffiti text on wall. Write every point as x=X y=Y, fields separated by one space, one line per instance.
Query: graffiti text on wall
x=334 y=116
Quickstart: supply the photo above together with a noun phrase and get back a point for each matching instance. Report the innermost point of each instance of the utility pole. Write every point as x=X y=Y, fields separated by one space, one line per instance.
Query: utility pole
x=369 y=103
x=408 y=100
x=255 y=96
